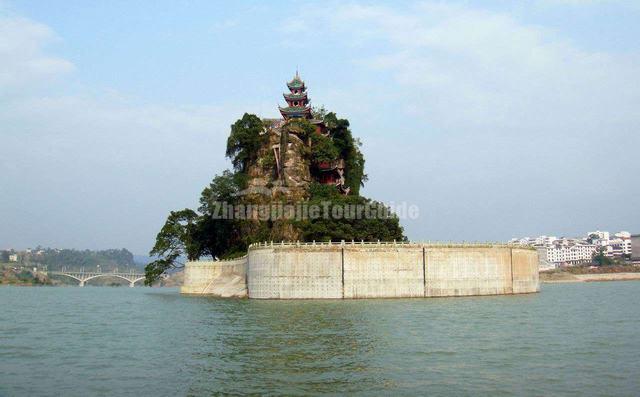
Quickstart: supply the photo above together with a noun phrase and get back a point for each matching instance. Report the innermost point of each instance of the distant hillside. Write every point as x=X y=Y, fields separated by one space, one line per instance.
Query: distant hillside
x=55 y=259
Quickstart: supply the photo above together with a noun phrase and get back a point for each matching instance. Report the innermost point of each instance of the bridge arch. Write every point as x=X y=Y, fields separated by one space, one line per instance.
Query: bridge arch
x=82 y=278
x=131 y=280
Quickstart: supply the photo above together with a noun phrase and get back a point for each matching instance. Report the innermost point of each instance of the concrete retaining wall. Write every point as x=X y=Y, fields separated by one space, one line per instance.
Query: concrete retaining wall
x=219 y=278
x=347 y=271
x=289 y=272
x=526 y=277
x=383 y=272
x=468 y=271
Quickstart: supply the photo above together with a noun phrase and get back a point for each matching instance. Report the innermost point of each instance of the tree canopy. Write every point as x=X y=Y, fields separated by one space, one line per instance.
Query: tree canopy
x=189 y=234
x=247 y=136
x=55 y=259
x=384 y=226
x=322 y=149
x=348 y=148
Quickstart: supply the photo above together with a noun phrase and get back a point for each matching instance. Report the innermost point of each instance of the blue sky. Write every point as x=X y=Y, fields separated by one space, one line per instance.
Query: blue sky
x=496 y=119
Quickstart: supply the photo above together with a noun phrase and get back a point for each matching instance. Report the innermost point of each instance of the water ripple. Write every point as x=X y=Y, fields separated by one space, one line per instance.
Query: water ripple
x=122 y=341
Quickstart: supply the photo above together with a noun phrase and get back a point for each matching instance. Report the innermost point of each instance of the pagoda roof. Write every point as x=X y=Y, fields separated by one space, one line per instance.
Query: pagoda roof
x=293 y=111
x=302 y=95
x=296 y=82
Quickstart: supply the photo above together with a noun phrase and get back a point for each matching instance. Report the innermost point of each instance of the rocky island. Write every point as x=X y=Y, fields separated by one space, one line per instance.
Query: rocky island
x=288 y=222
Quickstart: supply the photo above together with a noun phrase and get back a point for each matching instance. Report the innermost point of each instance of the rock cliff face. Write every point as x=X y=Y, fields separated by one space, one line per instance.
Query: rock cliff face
x=280 y=174
x=281 y=171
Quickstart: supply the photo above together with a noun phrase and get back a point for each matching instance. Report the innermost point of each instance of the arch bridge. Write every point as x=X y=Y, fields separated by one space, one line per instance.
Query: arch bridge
x=82 y=277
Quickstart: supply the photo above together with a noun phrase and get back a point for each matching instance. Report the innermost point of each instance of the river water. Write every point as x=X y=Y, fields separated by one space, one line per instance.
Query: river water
x=571 y=339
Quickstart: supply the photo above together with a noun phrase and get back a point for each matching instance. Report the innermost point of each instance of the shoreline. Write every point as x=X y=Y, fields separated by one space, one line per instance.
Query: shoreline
x=587 y=278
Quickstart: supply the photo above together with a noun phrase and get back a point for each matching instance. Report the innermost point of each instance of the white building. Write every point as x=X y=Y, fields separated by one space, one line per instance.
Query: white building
x=554 y=252
x=535 y=241
x=619 y=246
x=600 y=235
x=567 y=252
x=625 y=238
x=13 y=258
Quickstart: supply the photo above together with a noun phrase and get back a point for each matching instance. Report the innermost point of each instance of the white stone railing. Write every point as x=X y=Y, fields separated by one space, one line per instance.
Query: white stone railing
x=440 y=244
x=243 y=257
x=419 y=244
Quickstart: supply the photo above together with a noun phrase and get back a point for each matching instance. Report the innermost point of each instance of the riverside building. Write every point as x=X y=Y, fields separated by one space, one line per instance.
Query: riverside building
x=554 y=252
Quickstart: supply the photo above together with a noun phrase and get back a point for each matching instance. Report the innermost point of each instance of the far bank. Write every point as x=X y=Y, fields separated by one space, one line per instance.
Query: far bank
x=566 y=277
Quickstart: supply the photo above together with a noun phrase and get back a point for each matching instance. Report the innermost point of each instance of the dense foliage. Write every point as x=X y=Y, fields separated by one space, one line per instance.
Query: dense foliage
x=322 y=149
x=189 y=234
x=300 y=127
x=55 y=259
x=247 y=136
x=600 y=259
x=385 y=226
x=348 y=148
x=16 y=276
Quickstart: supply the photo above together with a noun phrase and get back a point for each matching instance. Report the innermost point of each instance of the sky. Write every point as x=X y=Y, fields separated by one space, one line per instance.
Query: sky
x=498 y=119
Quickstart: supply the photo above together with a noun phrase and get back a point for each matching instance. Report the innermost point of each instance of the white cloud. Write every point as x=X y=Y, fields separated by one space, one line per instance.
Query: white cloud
x=511 y=124
x=94 y=170
x=22 y=51
x=503 y=113
x=462 y=65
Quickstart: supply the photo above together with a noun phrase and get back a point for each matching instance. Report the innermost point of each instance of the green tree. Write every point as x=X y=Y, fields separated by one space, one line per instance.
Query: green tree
x=219 y=235
x=592 y=237
x=223 y=188
x=599 y=259
x=301 y=128
x=246 y=138
x=191 y=235
x=385 y=226
x=348 y=149
x=322 y=149
x=55 y=259
x=177 y=239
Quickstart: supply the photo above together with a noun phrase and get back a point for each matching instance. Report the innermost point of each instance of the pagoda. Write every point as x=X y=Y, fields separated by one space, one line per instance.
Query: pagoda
x=297 y=101
x=326 y=172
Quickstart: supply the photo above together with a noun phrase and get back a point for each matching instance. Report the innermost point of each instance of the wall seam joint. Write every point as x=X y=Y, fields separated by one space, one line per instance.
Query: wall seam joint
x=511 y=260
x=424 y=272
x=342 y=266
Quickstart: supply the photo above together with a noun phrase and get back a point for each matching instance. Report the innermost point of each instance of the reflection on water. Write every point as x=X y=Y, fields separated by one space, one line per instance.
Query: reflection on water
x=291 y=346
x=570 y=339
